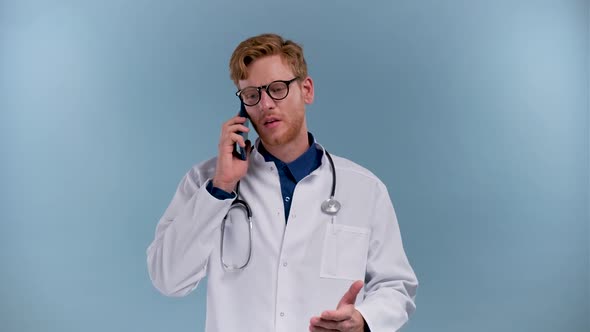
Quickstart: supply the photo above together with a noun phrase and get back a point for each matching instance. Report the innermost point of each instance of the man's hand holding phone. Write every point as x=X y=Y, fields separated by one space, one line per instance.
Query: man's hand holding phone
x=241 y=151
x=230 y=166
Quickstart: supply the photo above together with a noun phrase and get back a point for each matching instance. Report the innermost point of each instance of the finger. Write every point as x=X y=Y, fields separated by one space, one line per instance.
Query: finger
x=327 y=325
x=240 y=127
x=237 y=138
x=234 y=120
x=314 y=326
x=226 y=145
x=234 y=124
x=235 y=128
x=350 y=296
x=321 y=329
x=339 y=315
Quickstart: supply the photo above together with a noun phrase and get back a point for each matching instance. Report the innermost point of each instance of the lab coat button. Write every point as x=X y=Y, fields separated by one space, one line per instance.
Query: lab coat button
x=282 y=314
x=285 y=264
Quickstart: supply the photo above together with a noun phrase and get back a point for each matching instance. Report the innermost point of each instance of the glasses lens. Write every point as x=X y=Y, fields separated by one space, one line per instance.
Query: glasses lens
x=278 y=90
x=250 y=96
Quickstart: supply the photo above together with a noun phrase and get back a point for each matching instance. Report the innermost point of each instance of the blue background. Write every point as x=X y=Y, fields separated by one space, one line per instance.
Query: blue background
x=474 y=113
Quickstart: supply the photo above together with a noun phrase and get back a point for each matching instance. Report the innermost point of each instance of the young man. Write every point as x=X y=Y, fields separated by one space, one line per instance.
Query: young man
x=301 y=264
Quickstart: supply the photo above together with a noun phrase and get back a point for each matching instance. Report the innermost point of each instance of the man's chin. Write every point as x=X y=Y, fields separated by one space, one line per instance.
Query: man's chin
x=271 y=141
x=278 y=137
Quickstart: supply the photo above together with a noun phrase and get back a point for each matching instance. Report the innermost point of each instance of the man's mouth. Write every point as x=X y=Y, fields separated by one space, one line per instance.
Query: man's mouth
x=270 y=122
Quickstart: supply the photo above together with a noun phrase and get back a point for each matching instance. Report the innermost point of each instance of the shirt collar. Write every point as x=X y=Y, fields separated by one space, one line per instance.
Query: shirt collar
x=303 y=165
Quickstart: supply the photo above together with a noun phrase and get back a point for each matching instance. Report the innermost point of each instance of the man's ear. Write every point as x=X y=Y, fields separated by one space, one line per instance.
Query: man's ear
x=307 y=90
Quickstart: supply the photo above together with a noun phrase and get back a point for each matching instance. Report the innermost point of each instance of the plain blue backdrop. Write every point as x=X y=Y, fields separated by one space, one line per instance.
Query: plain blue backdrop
x=474 y=114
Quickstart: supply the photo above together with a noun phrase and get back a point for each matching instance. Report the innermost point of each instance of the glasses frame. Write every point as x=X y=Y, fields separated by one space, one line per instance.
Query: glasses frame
x=265 y=87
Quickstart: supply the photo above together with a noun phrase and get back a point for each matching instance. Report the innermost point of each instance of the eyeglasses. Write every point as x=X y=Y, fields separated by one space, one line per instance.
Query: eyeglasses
x=276 y=90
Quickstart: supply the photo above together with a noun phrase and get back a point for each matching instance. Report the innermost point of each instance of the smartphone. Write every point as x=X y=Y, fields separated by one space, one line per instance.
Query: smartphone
x=238 y=150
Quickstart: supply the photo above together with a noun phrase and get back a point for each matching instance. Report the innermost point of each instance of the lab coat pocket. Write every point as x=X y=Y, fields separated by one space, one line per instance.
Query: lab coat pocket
x=345 y=251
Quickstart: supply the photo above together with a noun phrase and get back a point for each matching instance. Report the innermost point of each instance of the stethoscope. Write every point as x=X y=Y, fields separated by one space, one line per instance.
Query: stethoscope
x=330 y=206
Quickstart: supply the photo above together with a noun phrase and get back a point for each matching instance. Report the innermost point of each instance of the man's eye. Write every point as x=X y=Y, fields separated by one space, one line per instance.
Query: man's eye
x=277 y=90
x=250 y=94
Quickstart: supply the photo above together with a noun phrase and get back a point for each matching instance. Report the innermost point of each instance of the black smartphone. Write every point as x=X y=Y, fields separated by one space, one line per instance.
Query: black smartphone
x=238 y=150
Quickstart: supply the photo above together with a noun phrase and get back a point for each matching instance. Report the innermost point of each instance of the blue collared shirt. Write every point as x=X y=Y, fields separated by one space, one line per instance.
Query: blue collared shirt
x=289 y=173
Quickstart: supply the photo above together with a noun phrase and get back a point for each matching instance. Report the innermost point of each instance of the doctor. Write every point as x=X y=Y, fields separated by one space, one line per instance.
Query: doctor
x=296 y=266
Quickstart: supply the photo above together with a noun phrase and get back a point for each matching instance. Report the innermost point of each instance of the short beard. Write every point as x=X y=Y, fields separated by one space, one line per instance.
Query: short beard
x=289 y=136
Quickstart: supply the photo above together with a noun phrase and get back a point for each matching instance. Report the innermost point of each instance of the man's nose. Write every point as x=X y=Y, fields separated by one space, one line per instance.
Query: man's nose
x=266 y=102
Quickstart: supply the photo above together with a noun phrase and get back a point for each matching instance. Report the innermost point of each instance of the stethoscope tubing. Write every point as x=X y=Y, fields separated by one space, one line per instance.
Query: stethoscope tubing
x=330 y=206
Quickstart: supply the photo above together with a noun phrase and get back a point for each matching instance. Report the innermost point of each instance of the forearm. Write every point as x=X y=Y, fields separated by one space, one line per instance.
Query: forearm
x=390 y=281
x=185 y=237
x=389 y=294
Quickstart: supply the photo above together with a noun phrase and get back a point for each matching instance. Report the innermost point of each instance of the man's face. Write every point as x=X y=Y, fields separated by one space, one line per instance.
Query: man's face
x=278 y=122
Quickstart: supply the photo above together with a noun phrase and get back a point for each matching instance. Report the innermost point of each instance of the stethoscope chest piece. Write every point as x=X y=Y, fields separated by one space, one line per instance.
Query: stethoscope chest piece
x=331 y=206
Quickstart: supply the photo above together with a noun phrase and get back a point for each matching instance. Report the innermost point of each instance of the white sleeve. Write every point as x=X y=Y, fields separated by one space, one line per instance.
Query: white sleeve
x=185 y=236
x=390 y=282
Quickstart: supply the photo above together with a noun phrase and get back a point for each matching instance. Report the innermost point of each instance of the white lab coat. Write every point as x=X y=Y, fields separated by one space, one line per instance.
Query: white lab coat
x=298 y=269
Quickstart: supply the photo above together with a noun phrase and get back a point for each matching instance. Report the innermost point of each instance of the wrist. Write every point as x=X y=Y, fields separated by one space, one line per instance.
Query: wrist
x=225 y=186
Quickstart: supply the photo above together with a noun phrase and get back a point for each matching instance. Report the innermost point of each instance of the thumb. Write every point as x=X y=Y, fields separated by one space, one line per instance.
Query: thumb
x=350 y=296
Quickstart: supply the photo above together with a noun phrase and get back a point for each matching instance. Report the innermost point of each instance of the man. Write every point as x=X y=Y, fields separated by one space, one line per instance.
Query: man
x=304 y=266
